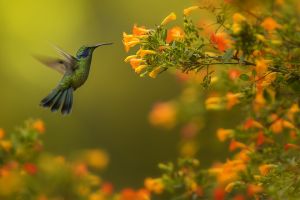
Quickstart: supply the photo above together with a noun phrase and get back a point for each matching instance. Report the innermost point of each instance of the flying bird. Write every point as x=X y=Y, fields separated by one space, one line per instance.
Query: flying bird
x=75 y=70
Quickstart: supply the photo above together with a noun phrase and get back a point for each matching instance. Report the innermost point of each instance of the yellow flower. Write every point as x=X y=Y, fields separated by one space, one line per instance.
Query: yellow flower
x=270 y=24
x=223 y=134
x=39 y=126
x=128 y=58
x=6 y=145
x=238 y=18
x=155 y=72
x=262 y=66
x=169 y=18
x=140 y=68
x=154 y=185
x=213 y=103
x=189 y=149
x=269 y=79
x=188 y=10
x=288 y=124
x=266 y=168
x=260 y=37
x=96 y=158
x=143 y=52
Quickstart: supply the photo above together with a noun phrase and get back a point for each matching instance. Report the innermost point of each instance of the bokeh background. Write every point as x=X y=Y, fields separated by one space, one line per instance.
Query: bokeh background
x=110 y=111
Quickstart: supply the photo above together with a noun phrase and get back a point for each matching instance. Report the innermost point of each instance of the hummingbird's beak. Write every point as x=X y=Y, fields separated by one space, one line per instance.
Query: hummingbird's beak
x=101 y=44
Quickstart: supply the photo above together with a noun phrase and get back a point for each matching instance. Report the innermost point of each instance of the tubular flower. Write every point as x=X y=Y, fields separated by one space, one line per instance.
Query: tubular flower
x=139 y=31
x=223 y=134
x=213 y=103
x=270 y=24
x=135 y=62
x=251 y=123
x=232 y=99
x=261 y=66
x=39 y=126
x=188 y=10
x=168 y=19
x=128 y=58
x=130 y=41
x=254 y=189
x=266 y=168
x=144 y=52
x=291 y=146
x=154 y=185
x=129 y=194
x=140 y=68
x=175 y=33
x=163 y=115
x=220 y=40
x=2 y=133
x=236 y=145
x=155 y=72
x=237 y=20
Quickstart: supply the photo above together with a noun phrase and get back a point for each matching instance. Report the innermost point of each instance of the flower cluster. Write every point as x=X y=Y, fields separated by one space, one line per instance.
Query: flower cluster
x=247 y=61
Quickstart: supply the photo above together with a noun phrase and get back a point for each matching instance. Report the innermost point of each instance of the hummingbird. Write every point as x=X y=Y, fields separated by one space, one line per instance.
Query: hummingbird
x=75 y=70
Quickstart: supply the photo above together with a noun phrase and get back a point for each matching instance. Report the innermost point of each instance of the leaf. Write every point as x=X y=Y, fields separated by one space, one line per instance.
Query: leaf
x=244 y=77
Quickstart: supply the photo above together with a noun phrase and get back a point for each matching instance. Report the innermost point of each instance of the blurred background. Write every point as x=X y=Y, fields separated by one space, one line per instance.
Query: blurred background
x=110 y=111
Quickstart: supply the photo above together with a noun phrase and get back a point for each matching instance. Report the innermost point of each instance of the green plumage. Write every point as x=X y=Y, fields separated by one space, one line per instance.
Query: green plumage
x=75 y=72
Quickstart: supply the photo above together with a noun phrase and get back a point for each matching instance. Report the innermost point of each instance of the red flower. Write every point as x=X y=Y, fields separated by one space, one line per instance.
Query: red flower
x=30 y=168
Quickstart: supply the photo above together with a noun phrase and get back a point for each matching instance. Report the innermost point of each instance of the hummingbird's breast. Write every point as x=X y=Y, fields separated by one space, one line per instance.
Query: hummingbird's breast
x=81 y=73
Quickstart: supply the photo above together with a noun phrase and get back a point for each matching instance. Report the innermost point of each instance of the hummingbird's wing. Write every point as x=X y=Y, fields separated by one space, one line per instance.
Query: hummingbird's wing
x=70 y=61
x=54 y=63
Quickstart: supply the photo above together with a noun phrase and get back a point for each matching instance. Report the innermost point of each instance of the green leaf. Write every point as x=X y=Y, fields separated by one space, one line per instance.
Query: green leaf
x=244 y=77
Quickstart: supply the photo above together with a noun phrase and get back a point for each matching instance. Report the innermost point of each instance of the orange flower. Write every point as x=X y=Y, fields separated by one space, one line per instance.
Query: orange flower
x=277 y=124
x=260 y=138
x=262 y=66
x=130 y=41
x=220 y=40
x=130 y=194
x=238 y=18
x=135 y=62
x=254 y=189
x=168 y=19
x=39 y=126
x=234 y=74
x=223 y=134
x=239 y=197
x=154 y=185
x=266 y=168
x=107 y=188
x=2 y=133
x=163 y=114
x=175 y=33
x=188 y=11
x=251 y=123
x=138 y=31
x=96 y=158
x=270 y=24
x=236 y=145
x=232 y=99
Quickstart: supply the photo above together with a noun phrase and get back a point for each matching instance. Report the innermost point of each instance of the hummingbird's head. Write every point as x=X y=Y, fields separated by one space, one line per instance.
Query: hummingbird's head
x=86 y=51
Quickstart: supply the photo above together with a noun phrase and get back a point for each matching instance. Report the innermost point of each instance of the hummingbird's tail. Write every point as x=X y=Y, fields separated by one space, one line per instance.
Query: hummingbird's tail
x=57 y=98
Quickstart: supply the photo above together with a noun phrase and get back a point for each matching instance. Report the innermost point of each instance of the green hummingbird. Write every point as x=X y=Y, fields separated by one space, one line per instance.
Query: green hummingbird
x=75 y=70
